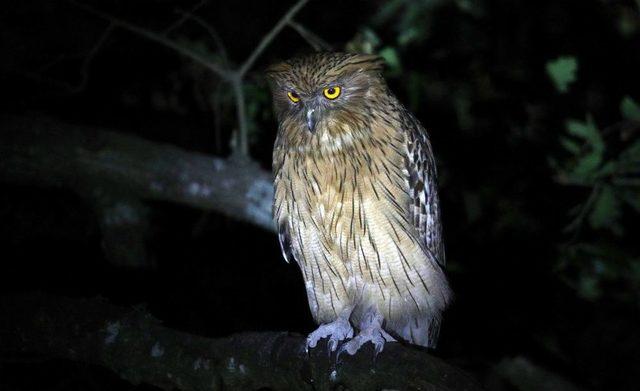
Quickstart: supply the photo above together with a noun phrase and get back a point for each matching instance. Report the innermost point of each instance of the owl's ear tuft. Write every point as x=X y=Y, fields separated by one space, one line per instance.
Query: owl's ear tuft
x=365 y=63
x=373 y=61
x=275 y=72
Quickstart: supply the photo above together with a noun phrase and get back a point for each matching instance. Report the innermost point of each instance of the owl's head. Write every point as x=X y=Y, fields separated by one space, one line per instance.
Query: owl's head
x=323 y=88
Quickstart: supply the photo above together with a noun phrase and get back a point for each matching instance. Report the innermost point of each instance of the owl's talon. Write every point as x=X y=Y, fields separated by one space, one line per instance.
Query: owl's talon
x=338 y=330
x=378 y=347
x=376 y=335
x=332 y=344
x=311 y=342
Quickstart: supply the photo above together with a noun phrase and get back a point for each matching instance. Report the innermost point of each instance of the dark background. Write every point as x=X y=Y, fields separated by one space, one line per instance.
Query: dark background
x=542 y=242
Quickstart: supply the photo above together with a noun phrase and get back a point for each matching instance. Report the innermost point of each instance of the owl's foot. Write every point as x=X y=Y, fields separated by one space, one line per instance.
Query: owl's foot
x=377 y=336
x=370 y=331
x=338 y=330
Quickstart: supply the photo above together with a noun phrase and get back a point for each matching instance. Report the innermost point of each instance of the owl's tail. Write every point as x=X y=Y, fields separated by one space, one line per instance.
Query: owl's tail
x=421 y=330
x=421 y=326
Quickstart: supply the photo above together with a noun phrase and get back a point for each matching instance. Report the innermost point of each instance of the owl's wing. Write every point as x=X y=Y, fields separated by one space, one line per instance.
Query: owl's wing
x=281 y=220
x=425 y=205
x=285 y=242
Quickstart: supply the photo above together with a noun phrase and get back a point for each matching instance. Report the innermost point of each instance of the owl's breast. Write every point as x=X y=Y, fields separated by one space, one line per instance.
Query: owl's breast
x=345 y=194
x=328 y=184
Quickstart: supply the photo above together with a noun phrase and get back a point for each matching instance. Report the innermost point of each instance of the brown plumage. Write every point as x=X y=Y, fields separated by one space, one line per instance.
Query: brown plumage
x=356 y=202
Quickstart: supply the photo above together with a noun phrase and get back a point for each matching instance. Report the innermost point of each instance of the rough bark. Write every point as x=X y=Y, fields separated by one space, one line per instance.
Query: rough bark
x=139 y=349
x=47 y=152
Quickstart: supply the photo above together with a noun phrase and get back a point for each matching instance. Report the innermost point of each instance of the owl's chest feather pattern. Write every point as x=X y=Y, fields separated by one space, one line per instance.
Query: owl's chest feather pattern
x=344 y=190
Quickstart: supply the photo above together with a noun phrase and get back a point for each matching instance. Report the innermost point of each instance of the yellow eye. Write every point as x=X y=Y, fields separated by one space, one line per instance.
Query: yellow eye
x=332 y=92
x=293 y=96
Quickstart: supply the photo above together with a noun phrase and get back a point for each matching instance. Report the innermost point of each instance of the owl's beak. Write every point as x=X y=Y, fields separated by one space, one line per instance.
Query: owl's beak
x=312 y=119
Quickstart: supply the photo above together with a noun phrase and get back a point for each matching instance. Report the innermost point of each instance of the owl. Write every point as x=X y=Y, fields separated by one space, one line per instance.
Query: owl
x=356 y=203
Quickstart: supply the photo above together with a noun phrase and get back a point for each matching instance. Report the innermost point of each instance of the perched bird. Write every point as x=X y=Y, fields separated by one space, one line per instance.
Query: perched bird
x=356 y=203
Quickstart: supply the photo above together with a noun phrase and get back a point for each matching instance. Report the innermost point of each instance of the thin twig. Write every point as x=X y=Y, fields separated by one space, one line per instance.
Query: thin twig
x=241 y=112
x=577 y=223
x=212 y=33
x=266 y=40
x=318 y=44
x=184 y=16
x=59 y=58
x=152 y=36
x=84 y=71
x=231 y=76
x=243 y=130
x=68 y=87
x=217 y=116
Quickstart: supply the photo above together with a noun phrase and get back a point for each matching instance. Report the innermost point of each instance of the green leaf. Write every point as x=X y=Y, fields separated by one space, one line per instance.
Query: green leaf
x=606 y=210
x=562 y=72
x=608 y=168
x=365 y=41
x=630 y=109
x=390 y=55
x=370 y=37
x=570 y=145
x=387 y=11
x=409 y=35
x=587 y=131
x=586 y=166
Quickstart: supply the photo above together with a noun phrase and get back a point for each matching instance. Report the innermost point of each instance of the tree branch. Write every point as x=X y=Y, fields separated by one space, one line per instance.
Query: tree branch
x=161 y=39
x=47 y=152
x=84 y=71
x=139 y=349
x=184 y=16
x=237 y=80
x=233 y=76
x=242 y=147
x=266 y=40
x=212 y=33
x=318 y=44
x=67 y=87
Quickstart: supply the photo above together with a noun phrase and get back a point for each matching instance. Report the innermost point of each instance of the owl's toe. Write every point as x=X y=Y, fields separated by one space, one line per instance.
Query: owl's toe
x=376 y=335
x=337 y=331
x=340 y=335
